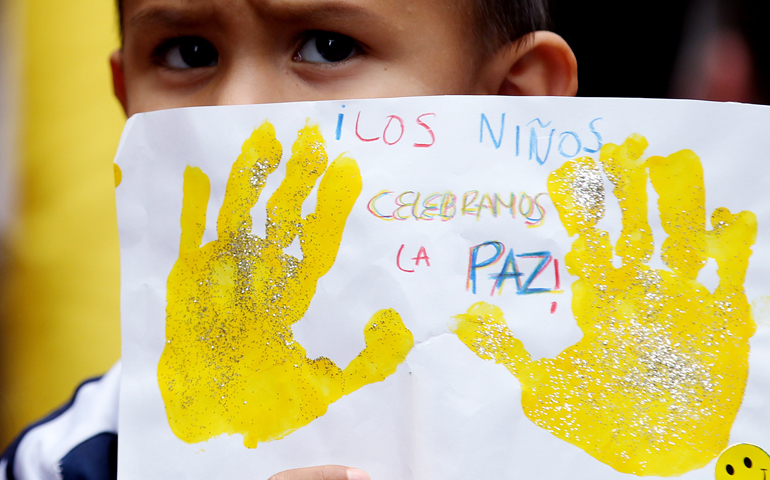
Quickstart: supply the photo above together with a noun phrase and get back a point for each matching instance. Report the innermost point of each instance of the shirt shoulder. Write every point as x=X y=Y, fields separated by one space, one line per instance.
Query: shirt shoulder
x=76 y=442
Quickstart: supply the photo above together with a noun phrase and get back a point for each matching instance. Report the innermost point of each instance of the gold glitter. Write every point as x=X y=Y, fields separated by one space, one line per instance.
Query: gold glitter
x=230 y=363
x=655 y=383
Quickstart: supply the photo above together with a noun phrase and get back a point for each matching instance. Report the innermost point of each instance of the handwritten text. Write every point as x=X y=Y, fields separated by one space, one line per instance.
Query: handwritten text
x=388 y=205
x=525 y=283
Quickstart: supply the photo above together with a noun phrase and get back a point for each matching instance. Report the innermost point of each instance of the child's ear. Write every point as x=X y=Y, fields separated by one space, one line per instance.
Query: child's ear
x=118 y=78
x=539 y=64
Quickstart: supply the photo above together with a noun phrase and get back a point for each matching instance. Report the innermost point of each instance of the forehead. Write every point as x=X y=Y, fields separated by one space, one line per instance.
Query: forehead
x=400 y=15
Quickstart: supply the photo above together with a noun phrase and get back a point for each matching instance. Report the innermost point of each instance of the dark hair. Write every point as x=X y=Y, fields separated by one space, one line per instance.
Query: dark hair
x=498 y=22
x=120 y=19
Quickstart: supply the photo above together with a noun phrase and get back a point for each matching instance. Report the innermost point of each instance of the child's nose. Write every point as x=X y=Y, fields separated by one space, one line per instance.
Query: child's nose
x=252 y=83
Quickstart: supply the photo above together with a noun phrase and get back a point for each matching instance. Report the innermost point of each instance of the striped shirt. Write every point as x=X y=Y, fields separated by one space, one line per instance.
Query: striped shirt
x=79 y=441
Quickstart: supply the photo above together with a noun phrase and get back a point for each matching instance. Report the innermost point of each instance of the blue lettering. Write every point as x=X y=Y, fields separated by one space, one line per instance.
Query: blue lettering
x=474 y=263
x=339 y=125
x=500 y=278
x=534 y=148
x=597 y=135
x=545 y=259
x=578 y=145
x=485 y=120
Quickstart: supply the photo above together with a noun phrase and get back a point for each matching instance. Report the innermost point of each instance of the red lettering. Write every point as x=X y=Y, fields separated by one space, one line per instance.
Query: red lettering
x=398 y=261
x=426 y=127
x=359 y=135
x=421 y=255
x=385 y=132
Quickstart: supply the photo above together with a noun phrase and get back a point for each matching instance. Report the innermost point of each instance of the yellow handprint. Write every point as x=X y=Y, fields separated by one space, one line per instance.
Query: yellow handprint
x=655 y=383
x=231 y=364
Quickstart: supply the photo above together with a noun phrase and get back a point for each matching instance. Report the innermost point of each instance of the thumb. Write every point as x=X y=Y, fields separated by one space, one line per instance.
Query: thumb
x=325 y=472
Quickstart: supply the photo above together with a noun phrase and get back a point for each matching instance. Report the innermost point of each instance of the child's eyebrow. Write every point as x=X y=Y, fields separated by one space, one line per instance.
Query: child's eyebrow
x=170 y=17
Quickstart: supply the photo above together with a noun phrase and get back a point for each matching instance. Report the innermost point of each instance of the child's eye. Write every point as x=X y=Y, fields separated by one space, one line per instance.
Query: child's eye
x=327 y=47
x=187 y=52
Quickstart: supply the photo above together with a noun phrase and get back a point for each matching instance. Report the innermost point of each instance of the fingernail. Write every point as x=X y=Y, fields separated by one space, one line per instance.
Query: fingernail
x=357 y=474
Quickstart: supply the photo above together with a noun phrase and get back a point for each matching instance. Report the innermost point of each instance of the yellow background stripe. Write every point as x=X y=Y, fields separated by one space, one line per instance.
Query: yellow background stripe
x=60 y=305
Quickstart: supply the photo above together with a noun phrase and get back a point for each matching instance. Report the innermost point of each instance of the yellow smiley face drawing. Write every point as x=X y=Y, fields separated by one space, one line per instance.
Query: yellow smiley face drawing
x=743 y=462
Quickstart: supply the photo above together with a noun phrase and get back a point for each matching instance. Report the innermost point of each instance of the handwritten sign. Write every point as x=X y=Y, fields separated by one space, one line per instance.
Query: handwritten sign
x=448 y=287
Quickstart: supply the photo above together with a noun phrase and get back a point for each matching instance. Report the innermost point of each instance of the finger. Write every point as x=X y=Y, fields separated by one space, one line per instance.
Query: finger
x=284 y=209
x=260 y=155
x=729 y=243
x=678 y=179
x=326 y=472
x=628 y=173
x=590 y=257
x=194 y=203
x=118 y=174
x=323 y=228
x=577 y=190
x=484 y=331
x=388 y=341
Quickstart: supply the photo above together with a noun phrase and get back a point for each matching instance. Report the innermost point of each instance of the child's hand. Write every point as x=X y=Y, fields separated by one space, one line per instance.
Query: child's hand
x=326 y=472
x=653 y=386
x=231 y=364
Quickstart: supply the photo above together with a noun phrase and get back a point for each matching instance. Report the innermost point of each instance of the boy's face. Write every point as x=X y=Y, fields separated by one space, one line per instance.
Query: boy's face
x=180 y=53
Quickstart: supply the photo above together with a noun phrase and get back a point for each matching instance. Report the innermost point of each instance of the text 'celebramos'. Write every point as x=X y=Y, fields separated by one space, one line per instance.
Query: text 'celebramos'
x=389 y=205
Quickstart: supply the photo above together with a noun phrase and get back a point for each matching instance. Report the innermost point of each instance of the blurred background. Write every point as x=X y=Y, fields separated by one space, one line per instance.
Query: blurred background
x=60 y=125
x=59 y=129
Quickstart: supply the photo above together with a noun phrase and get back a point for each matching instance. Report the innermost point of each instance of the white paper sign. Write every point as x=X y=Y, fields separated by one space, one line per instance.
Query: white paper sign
x=446 y=288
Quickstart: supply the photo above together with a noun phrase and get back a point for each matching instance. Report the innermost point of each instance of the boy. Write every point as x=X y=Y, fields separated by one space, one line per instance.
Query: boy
x=179 y=53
